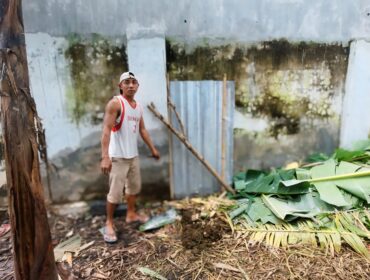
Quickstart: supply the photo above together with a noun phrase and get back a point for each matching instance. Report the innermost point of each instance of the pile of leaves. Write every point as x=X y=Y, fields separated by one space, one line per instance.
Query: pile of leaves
x=322 y=203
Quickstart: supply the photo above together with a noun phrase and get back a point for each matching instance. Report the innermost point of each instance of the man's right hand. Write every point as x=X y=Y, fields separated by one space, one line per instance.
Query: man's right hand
x=106 y=165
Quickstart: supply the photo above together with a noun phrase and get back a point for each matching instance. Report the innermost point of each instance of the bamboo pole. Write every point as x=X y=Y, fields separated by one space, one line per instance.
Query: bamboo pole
x=339 y=177
x=32 y=247
x=288 y=183
x=223 y=135
x=187 y=144
x=173 y=107
x=170 y=140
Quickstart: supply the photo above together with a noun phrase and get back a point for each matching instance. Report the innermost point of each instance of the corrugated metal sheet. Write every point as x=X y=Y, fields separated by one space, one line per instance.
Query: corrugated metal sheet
x=199 y=104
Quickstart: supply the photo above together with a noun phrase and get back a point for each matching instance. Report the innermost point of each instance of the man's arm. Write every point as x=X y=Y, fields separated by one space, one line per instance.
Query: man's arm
x=148 y=141
x=111 y=111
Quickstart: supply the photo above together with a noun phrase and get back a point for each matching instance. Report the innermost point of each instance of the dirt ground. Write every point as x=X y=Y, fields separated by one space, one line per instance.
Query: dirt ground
x=194 y=247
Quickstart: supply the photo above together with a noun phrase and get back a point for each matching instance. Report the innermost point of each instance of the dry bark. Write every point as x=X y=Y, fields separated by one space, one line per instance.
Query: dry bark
x=33 y=250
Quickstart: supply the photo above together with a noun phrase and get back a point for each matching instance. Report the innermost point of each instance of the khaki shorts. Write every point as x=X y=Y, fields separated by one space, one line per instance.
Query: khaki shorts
x=125 y=174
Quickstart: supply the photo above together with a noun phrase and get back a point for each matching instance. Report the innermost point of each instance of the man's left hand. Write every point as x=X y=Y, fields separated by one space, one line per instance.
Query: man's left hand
x=156 y=154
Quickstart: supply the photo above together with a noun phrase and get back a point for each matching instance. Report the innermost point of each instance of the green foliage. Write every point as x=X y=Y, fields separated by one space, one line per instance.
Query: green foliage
x=260 y=183
x=318 y=157
x=323 y=206
x=342 y=154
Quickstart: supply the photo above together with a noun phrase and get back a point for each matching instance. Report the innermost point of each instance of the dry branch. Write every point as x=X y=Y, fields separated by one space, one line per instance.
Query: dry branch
x=173 y=107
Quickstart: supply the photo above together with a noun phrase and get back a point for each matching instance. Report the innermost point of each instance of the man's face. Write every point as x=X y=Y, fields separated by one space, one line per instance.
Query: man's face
x=129 y=87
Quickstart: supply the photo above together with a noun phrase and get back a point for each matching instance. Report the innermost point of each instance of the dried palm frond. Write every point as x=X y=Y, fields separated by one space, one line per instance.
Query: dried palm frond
x=327 y=231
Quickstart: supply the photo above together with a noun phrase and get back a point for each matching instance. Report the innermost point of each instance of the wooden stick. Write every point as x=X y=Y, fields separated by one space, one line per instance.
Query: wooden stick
x=187 y=144
x=170 y=140
x=173 y=107
x=223 y=131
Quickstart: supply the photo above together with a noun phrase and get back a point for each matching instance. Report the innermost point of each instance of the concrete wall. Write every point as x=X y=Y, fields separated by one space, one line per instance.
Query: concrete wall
x=238 y=20
x=72 y=79
x=356 y=113
x=50 y=82
x=288 y=59
x=288 y=95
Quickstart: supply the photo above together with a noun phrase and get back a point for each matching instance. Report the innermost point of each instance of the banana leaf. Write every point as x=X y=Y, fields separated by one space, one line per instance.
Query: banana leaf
x=241 y=209
x=239 y=185
x=241 y=179
x=306 y=205
x=253 y=174
x=303 y=174
x=330 y=181
x=359 y=187
x=328 y=190
x=239 y=176
x=258 y=211
x=272 y=184
x=346 y=155
x=318 y=157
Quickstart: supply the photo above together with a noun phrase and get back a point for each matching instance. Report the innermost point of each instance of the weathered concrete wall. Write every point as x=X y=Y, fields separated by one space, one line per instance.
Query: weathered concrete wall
x=288 y=96
x=72 y=79
x=237 y=20
x=58 y=92
x=288 y=59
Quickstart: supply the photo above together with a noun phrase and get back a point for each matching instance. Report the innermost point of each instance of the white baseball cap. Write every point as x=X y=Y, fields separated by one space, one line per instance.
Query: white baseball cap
x=126 y=75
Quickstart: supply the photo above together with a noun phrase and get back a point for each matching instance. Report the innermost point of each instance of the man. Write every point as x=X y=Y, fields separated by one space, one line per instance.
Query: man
x=123 y=121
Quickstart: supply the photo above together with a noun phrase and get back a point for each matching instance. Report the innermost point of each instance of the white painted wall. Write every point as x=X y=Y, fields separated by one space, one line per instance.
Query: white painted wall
x=356 y=104
x=147 y=59
x=49 y=80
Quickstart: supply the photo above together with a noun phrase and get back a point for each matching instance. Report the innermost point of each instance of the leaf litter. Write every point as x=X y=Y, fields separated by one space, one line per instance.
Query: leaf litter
x=200 y=246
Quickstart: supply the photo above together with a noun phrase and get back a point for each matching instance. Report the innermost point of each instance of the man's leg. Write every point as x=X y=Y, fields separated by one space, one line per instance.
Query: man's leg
x=132 y=190
x=109 y=223
x=132 y=215
x=131 y=206
x=117 y=178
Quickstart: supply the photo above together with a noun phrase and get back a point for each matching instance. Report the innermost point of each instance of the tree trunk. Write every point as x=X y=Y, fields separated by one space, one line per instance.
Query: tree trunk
x=33 y=250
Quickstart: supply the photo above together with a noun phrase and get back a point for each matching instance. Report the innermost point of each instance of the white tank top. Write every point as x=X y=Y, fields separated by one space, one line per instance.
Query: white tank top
x=124 y=134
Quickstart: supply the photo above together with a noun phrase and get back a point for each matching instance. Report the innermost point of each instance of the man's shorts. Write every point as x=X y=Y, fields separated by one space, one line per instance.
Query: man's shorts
x=125 y=174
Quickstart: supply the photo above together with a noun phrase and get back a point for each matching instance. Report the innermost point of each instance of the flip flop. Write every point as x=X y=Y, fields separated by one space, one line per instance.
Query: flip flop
x=108 y=238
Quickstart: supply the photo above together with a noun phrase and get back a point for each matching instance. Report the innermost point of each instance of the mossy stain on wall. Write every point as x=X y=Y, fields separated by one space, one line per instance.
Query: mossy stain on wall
x=282 y=81
x=95 y=63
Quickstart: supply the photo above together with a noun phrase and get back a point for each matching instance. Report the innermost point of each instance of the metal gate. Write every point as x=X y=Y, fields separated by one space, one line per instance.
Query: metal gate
x=200 y=106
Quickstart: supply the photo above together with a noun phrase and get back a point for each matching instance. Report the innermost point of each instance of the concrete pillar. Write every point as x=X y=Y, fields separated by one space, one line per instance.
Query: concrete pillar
x=147 y=60
x=356 y=104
